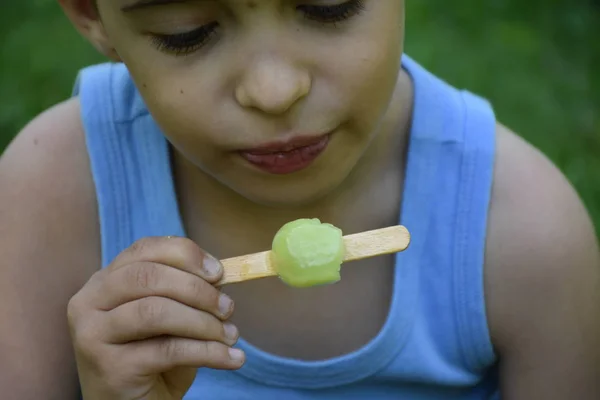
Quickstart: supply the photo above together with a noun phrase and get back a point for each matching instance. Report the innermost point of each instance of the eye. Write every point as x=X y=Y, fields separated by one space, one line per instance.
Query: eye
x=185 y=43
x=332 y=13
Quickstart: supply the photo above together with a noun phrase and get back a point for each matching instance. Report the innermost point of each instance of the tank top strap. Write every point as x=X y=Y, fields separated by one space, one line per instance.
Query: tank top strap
x=473 y=201
x=130 y=160
x=448 y=192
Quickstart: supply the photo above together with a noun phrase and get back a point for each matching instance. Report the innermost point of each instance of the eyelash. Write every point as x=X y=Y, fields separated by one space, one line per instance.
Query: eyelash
x=185 y=43
x=332 y=14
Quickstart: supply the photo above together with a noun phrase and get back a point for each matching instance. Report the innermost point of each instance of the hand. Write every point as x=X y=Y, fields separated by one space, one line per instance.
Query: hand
x=143 y=325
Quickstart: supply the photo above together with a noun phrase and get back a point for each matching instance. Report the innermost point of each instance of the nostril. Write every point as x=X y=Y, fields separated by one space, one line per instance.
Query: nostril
x=241 y=97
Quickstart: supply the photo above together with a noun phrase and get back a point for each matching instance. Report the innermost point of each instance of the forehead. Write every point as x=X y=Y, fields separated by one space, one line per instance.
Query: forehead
x=130 y=5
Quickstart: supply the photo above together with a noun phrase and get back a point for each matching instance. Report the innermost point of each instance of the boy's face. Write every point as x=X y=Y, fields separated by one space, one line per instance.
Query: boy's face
x=225 y=78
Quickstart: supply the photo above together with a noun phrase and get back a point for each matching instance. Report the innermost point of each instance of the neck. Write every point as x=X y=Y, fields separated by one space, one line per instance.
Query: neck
x=216 y=217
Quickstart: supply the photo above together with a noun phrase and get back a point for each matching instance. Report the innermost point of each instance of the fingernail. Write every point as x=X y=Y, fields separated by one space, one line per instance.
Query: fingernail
x=231 y=332
x=236 y=354
x=225 y=304
x=212 y=266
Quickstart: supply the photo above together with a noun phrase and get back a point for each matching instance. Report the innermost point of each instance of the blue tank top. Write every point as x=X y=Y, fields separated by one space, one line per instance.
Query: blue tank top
x=435 y=342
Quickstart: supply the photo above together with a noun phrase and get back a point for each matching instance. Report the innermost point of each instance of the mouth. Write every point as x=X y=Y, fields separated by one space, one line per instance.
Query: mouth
x=286 y=157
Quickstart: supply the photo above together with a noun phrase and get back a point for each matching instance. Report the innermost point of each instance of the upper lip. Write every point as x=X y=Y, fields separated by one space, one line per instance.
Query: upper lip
x=284 y=145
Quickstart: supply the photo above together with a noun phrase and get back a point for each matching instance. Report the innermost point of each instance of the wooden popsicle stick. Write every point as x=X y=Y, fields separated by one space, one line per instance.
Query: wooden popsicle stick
x=358 y=246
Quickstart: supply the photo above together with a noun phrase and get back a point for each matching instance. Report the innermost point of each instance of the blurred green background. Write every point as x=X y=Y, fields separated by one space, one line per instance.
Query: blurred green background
x=535 y=60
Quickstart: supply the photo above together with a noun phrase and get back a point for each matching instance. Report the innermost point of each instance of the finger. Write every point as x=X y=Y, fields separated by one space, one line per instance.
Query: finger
x=180 y=253
x=143 y=279
x=163 y=354
x=156 y=316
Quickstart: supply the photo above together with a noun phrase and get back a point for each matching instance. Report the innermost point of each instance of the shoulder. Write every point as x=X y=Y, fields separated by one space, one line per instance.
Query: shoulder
x=540 y=234
x=533 y=204
x=46 y=187
x=49 y=249
x=542 y=273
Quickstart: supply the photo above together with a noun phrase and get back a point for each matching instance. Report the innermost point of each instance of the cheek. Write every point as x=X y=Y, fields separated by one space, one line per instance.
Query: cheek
x=368 y=80
x=186 y=118
x=181 y=96
x=182 y=107
x=367 y=63
x=177 y=108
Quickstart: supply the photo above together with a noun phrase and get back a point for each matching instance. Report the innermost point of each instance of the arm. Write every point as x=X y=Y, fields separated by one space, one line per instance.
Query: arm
x=542 y=280
x=49 y=249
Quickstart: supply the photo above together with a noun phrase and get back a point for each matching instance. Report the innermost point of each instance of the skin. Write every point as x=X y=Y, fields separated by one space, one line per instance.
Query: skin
x=289 y=86
x=542 y=268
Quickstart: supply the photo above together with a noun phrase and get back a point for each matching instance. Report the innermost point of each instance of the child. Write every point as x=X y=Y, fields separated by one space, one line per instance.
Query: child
x=219 y=122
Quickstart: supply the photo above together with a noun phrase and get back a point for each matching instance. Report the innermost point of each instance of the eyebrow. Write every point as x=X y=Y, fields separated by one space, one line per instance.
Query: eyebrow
x=140 y=4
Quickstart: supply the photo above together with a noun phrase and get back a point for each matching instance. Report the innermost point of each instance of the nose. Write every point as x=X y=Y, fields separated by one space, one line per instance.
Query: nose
x=272 y=86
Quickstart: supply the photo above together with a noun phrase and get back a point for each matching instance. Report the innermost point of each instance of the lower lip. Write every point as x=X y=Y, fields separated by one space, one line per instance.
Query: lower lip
x=287 y=162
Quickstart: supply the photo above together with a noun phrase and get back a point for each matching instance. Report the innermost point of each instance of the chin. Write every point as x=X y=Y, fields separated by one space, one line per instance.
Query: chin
x=290 y=191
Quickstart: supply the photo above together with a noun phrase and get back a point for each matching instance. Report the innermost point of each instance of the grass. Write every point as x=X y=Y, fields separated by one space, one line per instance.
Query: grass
x=533 y=60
